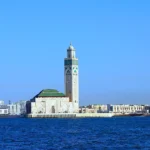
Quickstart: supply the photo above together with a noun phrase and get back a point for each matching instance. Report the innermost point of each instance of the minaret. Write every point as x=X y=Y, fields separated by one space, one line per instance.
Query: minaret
x=71 y=78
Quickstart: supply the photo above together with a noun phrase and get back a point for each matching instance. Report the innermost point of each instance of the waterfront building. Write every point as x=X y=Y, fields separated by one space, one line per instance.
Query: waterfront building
x=95 y=108
x=17 y=108
x=147 y=109
x=100 y=108
x=51 y=100
x=12 y=109
x=3 y=109
x=87 y=110
x=127 y=108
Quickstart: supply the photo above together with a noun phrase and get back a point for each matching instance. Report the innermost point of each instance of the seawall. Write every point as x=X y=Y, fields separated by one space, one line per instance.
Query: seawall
x=68 y=115
x=84 y=115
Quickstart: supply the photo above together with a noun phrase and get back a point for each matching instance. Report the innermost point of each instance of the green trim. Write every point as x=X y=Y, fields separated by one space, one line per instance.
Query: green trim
x=71 y=62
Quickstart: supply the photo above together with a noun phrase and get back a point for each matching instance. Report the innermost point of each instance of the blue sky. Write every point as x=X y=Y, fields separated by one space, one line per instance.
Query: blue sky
x=111 y=40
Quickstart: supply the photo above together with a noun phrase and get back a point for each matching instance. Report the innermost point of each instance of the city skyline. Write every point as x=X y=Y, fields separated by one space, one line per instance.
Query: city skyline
x=111 y=40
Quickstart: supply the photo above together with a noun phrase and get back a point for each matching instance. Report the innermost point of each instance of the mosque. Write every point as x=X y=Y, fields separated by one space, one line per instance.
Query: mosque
x=50 y=101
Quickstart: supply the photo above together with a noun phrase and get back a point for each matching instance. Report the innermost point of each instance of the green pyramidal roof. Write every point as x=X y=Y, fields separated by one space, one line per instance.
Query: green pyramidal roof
x=50 y=93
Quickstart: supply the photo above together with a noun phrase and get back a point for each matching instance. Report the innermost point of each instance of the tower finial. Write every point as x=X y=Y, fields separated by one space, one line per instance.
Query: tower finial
x=70 y=43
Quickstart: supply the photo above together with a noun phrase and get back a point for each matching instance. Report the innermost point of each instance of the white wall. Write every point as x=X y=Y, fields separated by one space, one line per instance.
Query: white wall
x=17 y=108
x=128 y=108
x=51 y=105
x=3 y=111
x=72 y=84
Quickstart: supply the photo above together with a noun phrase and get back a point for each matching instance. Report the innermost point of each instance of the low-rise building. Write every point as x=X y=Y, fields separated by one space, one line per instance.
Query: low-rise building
x=17 y=108
x=87 y=110
x=127 y=108
x=95 y=108
x=3 y=109
x=147 y=109
x=100 y=108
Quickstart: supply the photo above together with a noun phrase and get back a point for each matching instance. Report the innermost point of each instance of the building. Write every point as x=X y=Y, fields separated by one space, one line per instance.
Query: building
x=87 y=110
x=71 y=77
x=95 y=108
x=125 y=109
x=17 y=108
x=51 y=100
x=100 y=108
x=147 y=109
x=3 y=109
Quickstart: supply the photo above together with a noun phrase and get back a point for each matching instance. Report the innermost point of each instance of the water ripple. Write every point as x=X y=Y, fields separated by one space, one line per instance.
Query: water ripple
x=75 y=134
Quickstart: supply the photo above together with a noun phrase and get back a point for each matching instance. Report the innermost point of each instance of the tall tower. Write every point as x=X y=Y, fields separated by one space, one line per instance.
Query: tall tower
x=71 y=78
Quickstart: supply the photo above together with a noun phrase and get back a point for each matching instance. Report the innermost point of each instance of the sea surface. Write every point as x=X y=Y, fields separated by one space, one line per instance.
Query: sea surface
x=120 y=133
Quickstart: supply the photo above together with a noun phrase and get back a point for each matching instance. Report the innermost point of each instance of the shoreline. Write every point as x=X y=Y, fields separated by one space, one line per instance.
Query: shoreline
x=84 y=115
x=75 y=115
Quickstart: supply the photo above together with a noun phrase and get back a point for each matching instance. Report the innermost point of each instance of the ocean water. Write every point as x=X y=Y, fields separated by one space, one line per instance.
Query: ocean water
x=121 y=133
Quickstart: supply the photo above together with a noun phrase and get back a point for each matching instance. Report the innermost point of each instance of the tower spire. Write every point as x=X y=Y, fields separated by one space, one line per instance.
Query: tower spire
x=71 y=51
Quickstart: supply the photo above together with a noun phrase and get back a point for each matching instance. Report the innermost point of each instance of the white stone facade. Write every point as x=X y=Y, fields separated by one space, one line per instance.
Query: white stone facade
x=127 y=108
x=3 y=109
x=71 y=73
x=12 y=109
x=17 y=108
x=50 y=105
x=100 y=108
